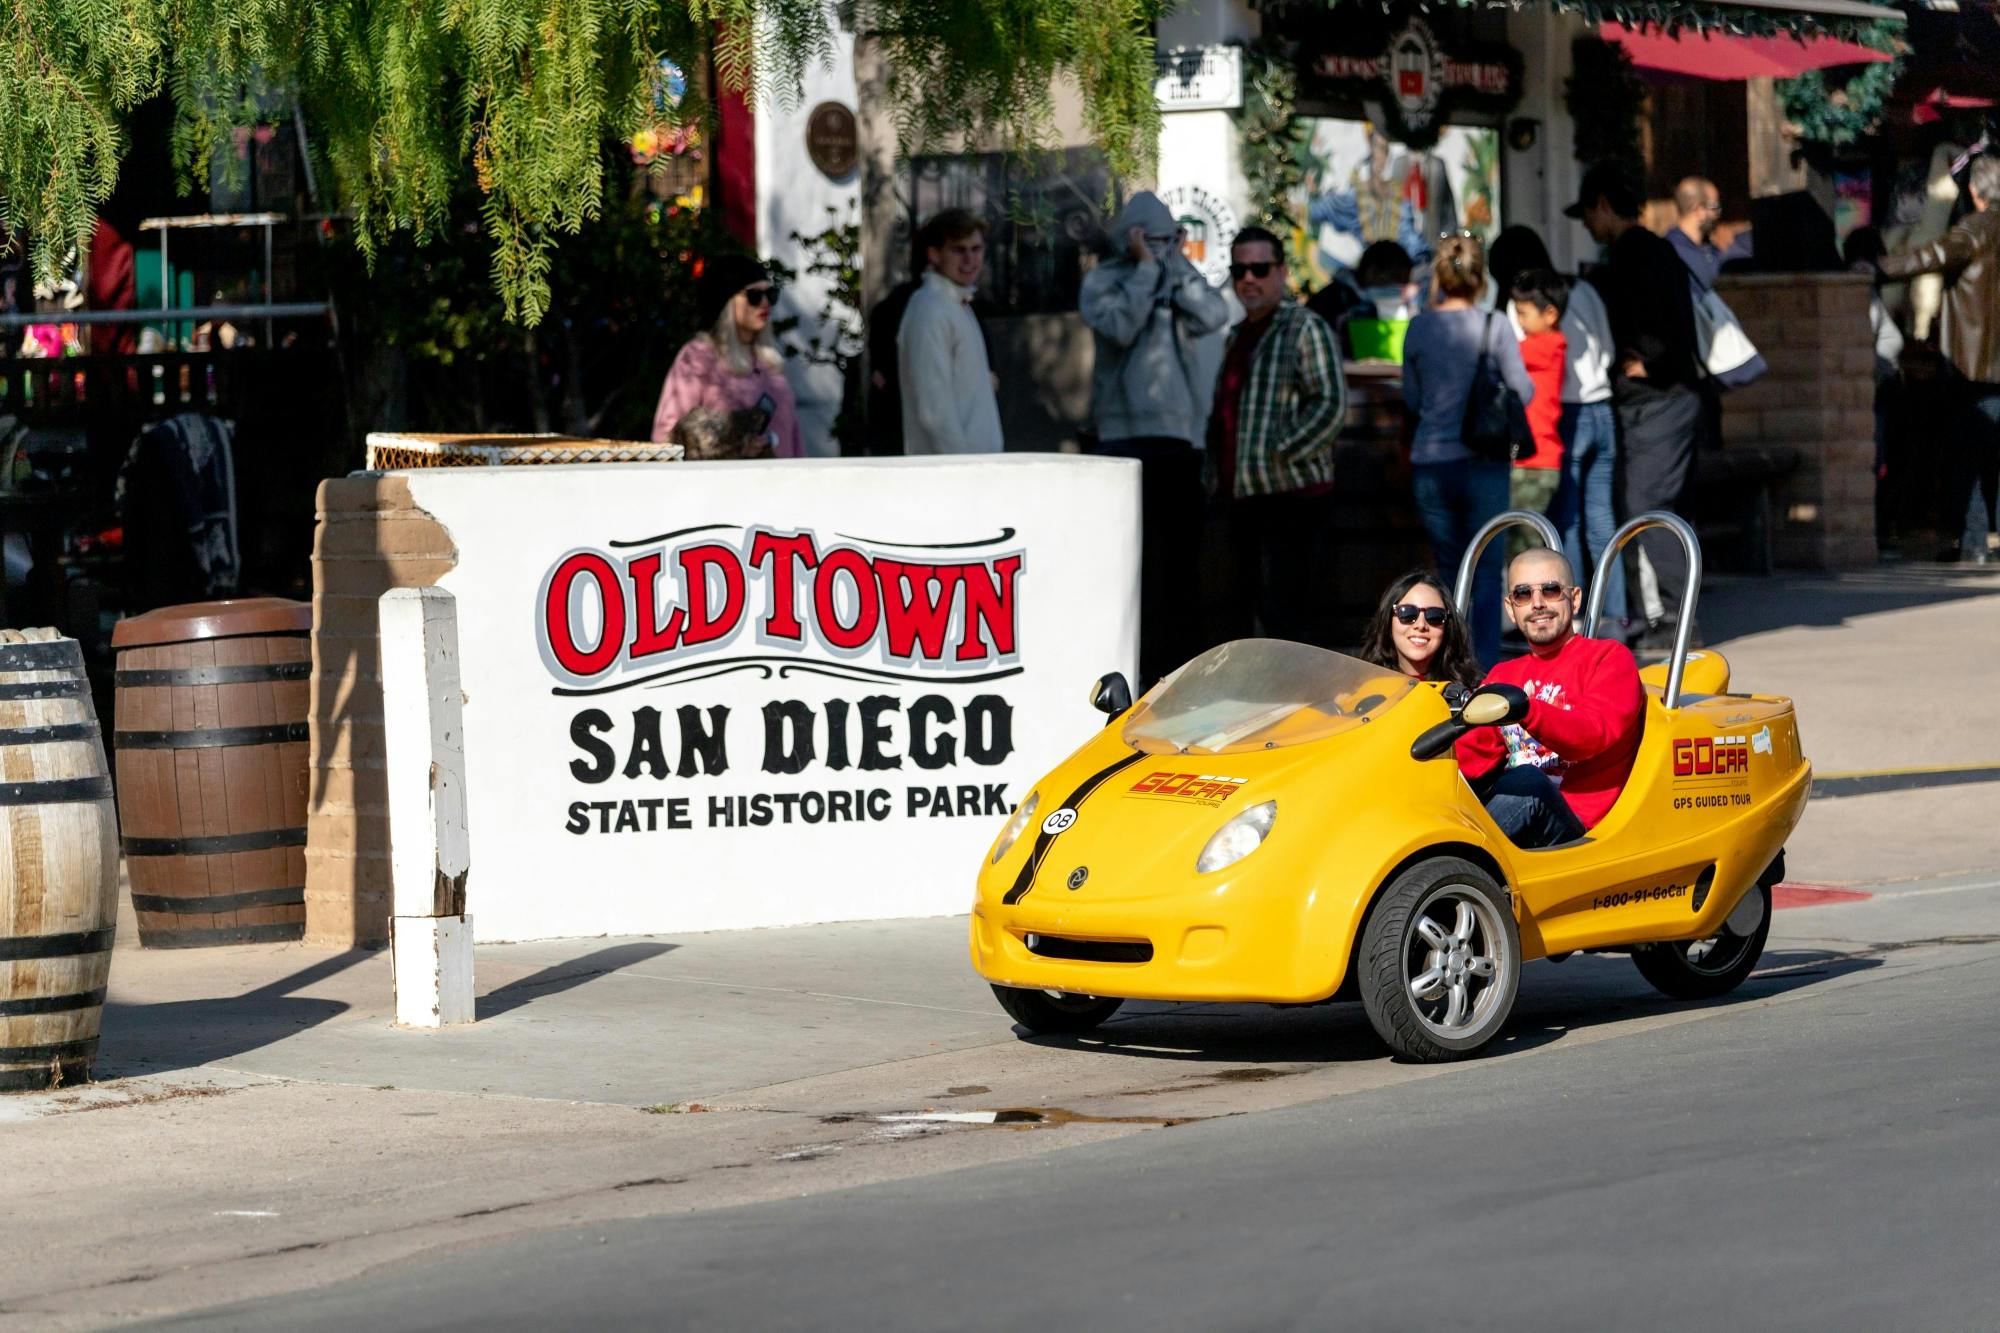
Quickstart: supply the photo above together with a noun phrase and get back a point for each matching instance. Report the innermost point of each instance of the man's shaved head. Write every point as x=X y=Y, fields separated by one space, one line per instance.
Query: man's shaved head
x=1527 y=567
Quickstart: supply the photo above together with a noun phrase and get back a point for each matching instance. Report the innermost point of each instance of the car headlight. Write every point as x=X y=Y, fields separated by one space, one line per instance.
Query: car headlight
x=1015 y=825
x=1237 y=839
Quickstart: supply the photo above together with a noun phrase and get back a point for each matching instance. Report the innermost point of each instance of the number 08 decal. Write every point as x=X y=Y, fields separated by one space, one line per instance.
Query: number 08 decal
x=1058 y=820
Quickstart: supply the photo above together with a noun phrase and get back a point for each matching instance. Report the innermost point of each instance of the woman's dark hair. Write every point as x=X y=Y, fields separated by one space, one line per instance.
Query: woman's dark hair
x=1454 y=659
x=1513 y=252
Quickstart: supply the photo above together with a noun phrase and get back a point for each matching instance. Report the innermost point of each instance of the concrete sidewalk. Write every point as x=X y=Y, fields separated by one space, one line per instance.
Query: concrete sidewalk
x=259 y=1125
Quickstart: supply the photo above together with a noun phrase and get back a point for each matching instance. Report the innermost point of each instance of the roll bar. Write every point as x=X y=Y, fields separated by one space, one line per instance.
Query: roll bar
x=1684 y=630
x=1523 y=518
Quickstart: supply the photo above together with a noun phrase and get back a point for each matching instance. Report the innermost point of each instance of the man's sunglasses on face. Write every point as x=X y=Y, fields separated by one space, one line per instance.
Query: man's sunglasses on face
x=1524 y=593
x=1434 y=616
x=1258 y=269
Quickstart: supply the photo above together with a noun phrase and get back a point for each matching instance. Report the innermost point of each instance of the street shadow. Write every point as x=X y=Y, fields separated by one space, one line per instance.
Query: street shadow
x=559 y=977
x=1735 y=607
x=1555 y=1001
x=184 y=1034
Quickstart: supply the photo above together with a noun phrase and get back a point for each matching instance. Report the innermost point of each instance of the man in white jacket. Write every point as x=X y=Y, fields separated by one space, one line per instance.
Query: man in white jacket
x=949 y=405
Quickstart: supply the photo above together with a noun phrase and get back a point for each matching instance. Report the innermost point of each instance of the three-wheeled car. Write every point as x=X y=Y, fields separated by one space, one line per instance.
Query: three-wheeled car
x=1278 y=823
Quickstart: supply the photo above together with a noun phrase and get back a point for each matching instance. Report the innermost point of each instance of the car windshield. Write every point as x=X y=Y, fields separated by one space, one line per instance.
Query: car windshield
x=1259 y=694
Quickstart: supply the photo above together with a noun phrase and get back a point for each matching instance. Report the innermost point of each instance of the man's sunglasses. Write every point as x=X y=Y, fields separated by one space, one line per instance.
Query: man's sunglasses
x=1524 y=593
x=1434 y=616
x=757 y=296
x=1260 y=269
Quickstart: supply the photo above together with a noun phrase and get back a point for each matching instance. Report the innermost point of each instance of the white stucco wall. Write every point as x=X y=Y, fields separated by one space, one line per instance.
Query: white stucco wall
x=793 y=196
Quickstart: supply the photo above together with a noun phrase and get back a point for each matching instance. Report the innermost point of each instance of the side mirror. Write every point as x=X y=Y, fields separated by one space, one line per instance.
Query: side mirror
x=1494 y=705
x=1111 y=695
x=1489 y=706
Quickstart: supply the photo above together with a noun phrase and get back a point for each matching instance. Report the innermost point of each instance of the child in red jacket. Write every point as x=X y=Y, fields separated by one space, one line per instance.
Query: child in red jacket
x=1539 y=298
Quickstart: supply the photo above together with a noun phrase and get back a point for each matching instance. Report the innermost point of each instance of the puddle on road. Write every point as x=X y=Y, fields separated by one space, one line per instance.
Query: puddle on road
x=1033 y=1117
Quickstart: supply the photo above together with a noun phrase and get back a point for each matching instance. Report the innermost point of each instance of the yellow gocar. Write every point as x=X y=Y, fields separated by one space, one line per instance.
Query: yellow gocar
x=1278 y=823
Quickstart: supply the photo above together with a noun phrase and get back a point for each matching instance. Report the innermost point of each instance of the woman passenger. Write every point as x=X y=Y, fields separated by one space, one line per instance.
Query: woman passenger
x=1415 y=631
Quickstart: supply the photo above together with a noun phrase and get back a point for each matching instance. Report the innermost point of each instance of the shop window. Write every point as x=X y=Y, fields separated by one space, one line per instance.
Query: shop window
x=1361 y=187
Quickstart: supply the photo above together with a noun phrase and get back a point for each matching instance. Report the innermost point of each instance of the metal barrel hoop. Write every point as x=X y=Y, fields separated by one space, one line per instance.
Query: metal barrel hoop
x=1499 y=523
x=1684 y=628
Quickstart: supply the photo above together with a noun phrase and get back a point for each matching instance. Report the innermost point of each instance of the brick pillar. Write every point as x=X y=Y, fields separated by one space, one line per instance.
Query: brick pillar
x=1818 y=399
x=371 y=537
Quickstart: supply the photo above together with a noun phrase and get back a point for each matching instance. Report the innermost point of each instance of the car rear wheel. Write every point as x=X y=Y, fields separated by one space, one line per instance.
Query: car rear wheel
x=1440 y=961
x=1704 y=969
x=1050 y=1013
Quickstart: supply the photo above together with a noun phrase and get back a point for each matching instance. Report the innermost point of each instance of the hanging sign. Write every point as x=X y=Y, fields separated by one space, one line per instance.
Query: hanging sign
x=1410 y=81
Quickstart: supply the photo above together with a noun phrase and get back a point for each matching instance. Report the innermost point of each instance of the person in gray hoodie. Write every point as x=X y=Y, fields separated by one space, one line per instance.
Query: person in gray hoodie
x=1154 y=320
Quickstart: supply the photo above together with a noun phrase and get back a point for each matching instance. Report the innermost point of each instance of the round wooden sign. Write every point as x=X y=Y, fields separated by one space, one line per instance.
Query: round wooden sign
x=832 y=140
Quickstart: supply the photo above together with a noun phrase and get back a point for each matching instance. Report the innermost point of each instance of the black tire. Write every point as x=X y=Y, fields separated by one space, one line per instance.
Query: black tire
x=1396 y=953
x=1047 y=1014
x=1719 y=966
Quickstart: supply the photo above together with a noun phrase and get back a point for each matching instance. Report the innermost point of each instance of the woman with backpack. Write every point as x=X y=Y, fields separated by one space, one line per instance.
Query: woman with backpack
x=1459 y=363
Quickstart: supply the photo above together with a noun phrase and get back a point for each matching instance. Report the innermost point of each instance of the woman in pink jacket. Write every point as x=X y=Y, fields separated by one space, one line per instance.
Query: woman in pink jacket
x=727 y=391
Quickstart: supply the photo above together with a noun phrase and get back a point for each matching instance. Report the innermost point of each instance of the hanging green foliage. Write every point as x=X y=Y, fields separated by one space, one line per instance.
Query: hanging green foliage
x=1834 y=116
x=399 y=97
x=1271 y=143
x=1606 y=100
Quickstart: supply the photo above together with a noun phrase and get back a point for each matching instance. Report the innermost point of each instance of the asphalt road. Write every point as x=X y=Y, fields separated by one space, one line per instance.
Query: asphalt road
x=1822 y=1153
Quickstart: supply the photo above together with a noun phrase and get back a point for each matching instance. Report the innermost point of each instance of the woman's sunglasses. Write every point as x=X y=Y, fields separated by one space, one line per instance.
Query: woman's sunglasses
x=1524 y=593
x=1434 y=616
x=757 y=296
x=1259 y=269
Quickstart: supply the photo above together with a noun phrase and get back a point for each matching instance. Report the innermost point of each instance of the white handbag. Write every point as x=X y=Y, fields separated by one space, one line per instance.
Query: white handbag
x=1727 y=353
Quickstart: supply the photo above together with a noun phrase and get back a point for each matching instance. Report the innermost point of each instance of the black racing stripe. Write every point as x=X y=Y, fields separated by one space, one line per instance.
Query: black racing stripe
x=52 y=1004
x=215 y=844
x=203 y=904
x=148 y=677
x=55 y=791
x=1026 y=879
x=49 y=735
x=14 y=948
x=41 y=656
x=283 y=932
x=211 y=738
x=74 y=687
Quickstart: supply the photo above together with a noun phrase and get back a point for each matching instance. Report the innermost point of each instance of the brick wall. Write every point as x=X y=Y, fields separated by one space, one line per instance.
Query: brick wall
x=371 y=537
x=1818 y=399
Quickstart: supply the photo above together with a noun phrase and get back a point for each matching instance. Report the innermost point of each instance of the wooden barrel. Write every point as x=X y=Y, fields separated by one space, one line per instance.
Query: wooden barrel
x=211 y=747
x=58 y=864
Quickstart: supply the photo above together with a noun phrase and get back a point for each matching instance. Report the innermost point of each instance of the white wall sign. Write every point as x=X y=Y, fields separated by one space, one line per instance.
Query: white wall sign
x=1199 y=78
x=708 y=696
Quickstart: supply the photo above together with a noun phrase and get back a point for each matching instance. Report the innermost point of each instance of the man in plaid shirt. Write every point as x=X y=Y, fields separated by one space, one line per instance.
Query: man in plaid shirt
x=1279 y=404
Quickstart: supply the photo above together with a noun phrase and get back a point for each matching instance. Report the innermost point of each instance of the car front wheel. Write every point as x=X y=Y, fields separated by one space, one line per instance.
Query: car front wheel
x=1052 y=1013
x=1440 y=961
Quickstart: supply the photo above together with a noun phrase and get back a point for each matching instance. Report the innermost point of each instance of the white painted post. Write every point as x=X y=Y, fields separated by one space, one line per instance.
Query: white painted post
x=429 y=851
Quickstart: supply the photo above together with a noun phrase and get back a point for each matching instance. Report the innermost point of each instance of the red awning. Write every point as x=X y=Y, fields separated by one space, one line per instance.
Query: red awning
x=1723 y=58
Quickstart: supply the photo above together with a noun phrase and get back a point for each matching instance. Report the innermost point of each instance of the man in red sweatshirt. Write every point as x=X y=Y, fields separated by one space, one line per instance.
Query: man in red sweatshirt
x=1553 y=775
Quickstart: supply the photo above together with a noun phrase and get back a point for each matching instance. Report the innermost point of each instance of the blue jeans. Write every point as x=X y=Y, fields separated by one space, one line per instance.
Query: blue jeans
x=1583 y=510
x=1528 y=807
x=1455 y=500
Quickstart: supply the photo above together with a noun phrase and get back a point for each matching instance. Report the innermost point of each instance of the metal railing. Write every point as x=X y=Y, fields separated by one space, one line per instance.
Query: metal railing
x=1499 y=523
x=1684 y=629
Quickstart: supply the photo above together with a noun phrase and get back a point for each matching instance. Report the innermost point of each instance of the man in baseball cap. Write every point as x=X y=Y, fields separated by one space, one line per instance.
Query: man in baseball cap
x=1655 y=374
